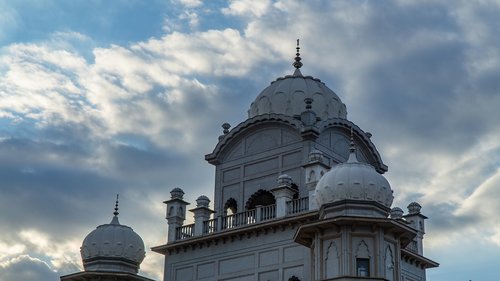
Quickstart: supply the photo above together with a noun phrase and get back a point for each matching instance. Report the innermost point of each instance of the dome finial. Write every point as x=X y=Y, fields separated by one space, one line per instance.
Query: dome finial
x=116 y=206
x=352 y=149
x=297 y=64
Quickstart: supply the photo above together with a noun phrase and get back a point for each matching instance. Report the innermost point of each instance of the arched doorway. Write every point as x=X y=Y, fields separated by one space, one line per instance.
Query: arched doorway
x=260 y=198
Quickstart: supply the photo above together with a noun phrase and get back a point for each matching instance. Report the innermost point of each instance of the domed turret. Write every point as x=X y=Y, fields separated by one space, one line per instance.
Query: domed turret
x=396 y=213
x=354 y=181
x=112 y=247
x=286 y=96
x=202 y=201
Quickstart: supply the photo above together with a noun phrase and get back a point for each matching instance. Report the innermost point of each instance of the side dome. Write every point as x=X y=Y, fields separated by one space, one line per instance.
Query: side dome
x=354 y=181
x=286 y=96
x=112 y=247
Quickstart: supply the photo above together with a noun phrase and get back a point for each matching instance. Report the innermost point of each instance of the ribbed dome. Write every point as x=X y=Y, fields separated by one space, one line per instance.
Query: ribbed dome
x=286 y=96
x=112 y=247
x=355 y=181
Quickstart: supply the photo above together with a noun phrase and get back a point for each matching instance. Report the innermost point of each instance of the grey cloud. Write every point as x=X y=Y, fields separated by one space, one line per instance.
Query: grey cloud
x=404 y=72
x=27 y=269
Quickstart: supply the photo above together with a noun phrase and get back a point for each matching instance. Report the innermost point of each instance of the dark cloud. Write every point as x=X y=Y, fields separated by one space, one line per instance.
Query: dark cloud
x=421 y=76
x=27 y=268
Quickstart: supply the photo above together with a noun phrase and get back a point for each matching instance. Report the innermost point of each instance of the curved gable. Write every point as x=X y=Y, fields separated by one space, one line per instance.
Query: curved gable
x=334 y=134
x=255 y=135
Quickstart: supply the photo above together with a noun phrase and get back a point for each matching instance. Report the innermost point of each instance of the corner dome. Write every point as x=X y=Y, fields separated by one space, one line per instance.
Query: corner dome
x=286 y=96
x=112 y=247
x=355 y=181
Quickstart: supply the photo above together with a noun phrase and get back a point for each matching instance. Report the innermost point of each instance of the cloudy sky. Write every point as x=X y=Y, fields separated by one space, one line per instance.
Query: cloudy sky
x=106 y=97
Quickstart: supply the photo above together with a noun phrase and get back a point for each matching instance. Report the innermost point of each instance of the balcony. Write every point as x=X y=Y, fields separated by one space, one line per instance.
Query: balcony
x=237 y=220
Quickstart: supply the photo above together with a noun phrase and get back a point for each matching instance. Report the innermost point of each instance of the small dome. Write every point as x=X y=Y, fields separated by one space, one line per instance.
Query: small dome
x=414 y=208
x=286 y=96
x=285 y=180
x=315 y=155
x=112 y=247
x=177 y=193
x=355 y=181
x=396 y=213
x=202 y=201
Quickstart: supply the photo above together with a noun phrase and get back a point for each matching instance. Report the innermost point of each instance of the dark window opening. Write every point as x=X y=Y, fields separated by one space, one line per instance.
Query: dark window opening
x=363 y=267
x=231 y=206
x=260 y=198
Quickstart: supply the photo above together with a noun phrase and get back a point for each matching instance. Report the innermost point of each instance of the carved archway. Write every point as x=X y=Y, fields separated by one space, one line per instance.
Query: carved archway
x=231 y=205
x=260 y=198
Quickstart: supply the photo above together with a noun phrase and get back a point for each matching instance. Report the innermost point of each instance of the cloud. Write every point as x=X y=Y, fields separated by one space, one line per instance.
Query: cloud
x=26 y=268
x=482 y=206
x=82 y=121
x=247 y=8
x=191 y=3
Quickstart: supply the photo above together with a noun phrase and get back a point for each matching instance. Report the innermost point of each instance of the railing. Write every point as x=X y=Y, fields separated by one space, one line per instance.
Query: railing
x=238 y=219
x=184 y=232
x=297 y=206
x=267 y=212
x=261 y=213
x=210 y=226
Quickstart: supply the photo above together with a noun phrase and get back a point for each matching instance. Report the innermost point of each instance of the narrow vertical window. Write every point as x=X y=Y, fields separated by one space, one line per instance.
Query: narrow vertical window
x=363 y=267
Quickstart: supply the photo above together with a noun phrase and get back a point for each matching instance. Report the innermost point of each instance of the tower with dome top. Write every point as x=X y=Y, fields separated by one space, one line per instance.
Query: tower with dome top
x=111 y=252
x=299 y=195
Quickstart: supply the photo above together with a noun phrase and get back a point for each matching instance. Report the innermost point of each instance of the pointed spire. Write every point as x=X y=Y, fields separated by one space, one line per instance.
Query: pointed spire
x=297 y=64
x=115 y=213
x=116 y=206
x=352 y=149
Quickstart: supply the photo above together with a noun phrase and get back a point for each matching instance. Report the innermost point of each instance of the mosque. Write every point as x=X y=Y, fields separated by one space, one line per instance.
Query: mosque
x=299 y=195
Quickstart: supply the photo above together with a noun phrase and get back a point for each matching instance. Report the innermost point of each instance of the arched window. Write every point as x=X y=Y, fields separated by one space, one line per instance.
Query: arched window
x=231 y=206
x=362 y=260
x=260 y=198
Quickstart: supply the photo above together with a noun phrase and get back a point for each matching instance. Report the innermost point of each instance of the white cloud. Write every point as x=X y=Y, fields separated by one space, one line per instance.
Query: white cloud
x=49 y=246
x=482 y=205
x=191 y=3
x=247 y=8
x=191 y=17
x=418 y=78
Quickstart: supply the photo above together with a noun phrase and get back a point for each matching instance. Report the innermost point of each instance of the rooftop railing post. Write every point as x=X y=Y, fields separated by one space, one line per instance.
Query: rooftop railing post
x=258 y=213
x=201 y=214
x=283 y=193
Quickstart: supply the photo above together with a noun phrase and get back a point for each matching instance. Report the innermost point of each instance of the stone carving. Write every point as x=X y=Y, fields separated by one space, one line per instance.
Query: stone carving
x=362 y=250
x=332 y=261
x=389 y=264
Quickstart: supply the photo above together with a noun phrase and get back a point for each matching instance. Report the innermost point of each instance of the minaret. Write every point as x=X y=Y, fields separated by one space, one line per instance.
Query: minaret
x=176 y=212
x=417 y=221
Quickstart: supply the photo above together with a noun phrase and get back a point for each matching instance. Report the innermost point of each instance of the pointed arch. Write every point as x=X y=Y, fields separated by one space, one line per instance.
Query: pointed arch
x=231 y=205
x=389 y=263
x=363 y=261
x=312 y=176
x=260 y=198
x=362 y=250
x=332 y=261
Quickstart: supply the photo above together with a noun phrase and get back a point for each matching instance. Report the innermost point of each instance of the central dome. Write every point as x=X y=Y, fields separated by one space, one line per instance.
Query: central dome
x=286 y=96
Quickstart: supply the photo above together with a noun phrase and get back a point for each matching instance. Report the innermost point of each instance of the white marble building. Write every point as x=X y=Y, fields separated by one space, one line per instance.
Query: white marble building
x=299 y=195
